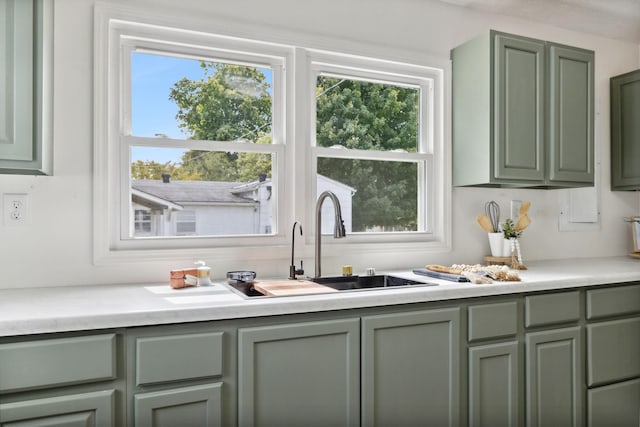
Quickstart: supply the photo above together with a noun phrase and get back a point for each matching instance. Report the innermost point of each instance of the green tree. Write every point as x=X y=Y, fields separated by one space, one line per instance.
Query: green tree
x=154 y=170
x=366 y=116
x=231 y=102
x=371 y=116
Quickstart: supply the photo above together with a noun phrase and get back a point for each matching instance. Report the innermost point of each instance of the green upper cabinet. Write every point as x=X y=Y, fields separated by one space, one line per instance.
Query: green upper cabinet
x=625 y=131
x=522 y=113
x=26 y=46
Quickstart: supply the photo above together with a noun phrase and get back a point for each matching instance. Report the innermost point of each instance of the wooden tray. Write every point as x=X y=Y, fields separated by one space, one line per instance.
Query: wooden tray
x=497 y=259
x=290 y=287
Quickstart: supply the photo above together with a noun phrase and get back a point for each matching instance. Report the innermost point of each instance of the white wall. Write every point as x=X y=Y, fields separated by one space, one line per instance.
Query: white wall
x=56 y=248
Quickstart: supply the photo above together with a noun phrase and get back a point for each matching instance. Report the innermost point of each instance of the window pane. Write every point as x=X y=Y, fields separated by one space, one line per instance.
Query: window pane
x=384 y=194
x=365 y=115
x=185 y=98
x=201 y=193
x=142 y=222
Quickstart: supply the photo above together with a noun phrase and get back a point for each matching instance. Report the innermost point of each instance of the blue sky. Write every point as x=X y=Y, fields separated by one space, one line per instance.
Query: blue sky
x=152 y=111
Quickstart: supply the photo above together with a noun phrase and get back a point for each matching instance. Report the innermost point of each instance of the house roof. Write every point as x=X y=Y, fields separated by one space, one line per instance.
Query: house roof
x=181 y=192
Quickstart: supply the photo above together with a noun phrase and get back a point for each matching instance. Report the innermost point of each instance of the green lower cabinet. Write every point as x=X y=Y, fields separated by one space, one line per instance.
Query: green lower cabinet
x=92 y=409
x=613 y=363
x=493 y=385
x=181 y=375
x=410 y=369
x=615 y=405
x=194 y=406
x=300 y=374
x=614 y=351
x=554 y=378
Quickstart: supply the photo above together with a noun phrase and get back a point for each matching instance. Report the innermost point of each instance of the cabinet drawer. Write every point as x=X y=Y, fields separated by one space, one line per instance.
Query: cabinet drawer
x=199 y=405
x=55 y=362
x=493 y=320
x=178 y=357
x=613 y=301
x=549 y=309
x=613 y=351
x=615 y=405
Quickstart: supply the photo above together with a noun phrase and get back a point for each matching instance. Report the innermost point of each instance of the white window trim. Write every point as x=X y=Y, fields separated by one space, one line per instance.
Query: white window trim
x=293 y=183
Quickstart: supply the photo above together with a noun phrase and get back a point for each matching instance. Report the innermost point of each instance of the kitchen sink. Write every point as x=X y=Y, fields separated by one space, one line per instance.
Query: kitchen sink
x=352 y=283
x=341 y=283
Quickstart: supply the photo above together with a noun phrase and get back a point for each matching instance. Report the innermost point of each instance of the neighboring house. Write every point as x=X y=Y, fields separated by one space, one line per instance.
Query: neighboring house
x=182 y=208
x=344 y=194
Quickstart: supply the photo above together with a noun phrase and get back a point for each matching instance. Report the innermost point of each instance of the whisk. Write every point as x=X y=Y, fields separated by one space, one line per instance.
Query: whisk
x=492 y=210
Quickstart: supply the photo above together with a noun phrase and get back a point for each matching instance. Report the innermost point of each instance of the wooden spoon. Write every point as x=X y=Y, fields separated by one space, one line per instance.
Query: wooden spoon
x=485 y=223
x=524 y=208
x=523 y=222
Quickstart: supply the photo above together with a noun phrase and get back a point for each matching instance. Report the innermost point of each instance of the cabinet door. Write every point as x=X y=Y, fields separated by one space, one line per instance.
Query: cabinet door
x=615 y=405
x=410 y=369
x=614 y=351
x=304 y=374
x=493 y=385
x=570 y=120
x=519 y=81
x=625 y=131
x=26 y=60
x=78 y=410
x=196 y=406
x=554 y=371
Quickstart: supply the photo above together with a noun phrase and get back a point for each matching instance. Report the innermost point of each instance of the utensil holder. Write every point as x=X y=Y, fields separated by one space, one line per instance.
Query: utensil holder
x=498 y=244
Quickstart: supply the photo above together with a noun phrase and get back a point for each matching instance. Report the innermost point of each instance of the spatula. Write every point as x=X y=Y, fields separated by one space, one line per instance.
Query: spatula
x=485 y=223
x=523 y=222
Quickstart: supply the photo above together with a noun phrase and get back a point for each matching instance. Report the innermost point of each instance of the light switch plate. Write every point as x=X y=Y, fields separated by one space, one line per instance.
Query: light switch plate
x=515 y=209
x=16 y=209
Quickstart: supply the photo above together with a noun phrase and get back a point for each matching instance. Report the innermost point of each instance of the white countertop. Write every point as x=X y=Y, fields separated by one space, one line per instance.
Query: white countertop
x=73 y=308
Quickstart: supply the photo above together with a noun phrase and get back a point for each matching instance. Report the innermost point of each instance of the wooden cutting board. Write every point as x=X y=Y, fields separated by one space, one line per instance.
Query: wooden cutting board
x=290 y=287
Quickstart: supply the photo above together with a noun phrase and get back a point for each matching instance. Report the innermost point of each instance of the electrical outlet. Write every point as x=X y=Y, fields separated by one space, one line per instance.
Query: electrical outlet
x=16 y=209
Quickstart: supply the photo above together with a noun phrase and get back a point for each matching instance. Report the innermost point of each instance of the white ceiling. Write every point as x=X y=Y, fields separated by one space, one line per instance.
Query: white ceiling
x=617 y=19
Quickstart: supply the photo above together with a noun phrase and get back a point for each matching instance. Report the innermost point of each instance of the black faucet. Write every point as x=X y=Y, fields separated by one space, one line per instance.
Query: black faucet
x=292 y=268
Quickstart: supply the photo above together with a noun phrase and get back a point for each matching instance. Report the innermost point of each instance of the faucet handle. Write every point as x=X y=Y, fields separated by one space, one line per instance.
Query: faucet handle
x=293 y=271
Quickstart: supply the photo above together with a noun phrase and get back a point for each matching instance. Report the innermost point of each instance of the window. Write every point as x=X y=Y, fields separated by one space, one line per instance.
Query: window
x=215 y=102
x=195 y=130
x=202 y=142
x=186 y=223
x=142 y=222
x=373 y=132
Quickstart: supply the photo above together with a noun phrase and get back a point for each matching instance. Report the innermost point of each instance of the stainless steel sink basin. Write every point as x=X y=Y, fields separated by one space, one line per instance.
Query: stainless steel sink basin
x=351 y=283
x=341 y=283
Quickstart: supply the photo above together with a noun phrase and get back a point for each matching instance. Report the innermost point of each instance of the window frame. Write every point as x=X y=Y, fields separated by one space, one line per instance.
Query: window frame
x=429 y=80
x=294 y=151
x=119 y=34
